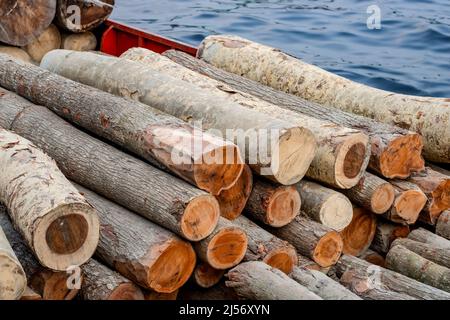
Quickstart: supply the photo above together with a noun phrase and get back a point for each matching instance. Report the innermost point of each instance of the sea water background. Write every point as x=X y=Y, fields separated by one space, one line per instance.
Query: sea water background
x=409 y=54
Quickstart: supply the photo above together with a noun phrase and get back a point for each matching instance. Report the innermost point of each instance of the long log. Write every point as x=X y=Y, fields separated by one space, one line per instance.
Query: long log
x=49 y=284
x=386 y=232
x=425 y=115
x=372 y=282
x=373 y=258
x=264 y=246
x=60 y=227
x=258 y=281
x=278 y=149
x=140 y=250
x=395 y=152
x=343 y=153
x=233 y=200
x=23 y=21
x=443 y=225
x=48 y=40
x=372 y=193
x=225 y=247
x=102 y=283
x=324 y=205
x=82 y=15
x=166 y=142
x=313 y=240
x=412 y=265
x=322 y=285
x=272 y=204
x=359 y=234
x=206 y=276
x=425 y=236
x=440 y=256
x=132 y=183
x=16 y=53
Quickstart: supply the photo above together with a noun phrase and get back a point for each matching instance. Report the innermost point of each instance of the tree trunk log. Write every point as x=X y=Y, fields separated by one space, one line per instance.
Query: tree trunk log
x=443 y=225
x=206 y=276
x=395 y=151
x=140 y=250
x=132 y=183
x=225 y=247
x=322 y=285
x=412 y=265
x=50 y=39
x=372 y=282
x=169 y=143
x=306 y=263
x=85 y=41
x=59 y=225
x=360 y=232
x=102 y=283
x=82 y=15
x=217 y=292
x=437 y=255
x=264 y=246
x=233 y=200
x=317 y=242
x=23 y=21
x=424 y=115
x=425 y=236
x=258 y=281
x=372 y=193
x=373 y=258
x=343 y=153
x=16 y=53
x=288 y=149
x=324 y=205
x=273 y=205
x=386 y=232
x=49 y=284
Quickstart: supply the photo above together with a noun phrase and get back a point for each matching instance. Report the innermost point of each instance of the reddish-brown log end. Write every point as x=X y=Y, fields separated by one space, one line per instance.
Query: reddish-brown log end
x=126 y=291
x=200 y=217
x=358 y=236
x=206 y=276
x=284 y=259
x=284 y=205
x=328 y=249
x=53 y=285
x=440 y=199
x=409 y=204
x=227 y=248
x=382 y=199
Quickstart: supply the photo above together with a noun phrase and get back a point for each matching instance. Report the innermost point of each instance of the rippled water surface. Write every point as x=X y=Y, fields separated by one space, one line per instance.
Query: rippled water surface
x=409 y=54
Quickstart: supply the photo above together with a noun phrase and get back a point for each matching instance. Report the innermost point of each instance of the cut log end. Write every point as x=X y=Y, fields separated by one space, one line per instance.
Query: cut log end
x=336 y=212
x=328 y=249
x=402 y=157
x=359 y=234
x=206 y=276
x=126 y=291
x=351 y=161
x=173 y=266
x=382 y=198
x=67 y=236
x=284 y=259
x=12 y=278
x=440 y=198
x=227 y=248
x=200 y=217
x=297 y=148
x=283 y=207
x=409 y=204
x=53 y=285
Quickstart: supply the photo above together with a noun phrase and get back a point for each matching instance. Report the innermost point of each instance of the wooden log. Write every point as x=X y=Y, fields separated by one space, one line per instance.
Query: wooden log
x=372 y=193
x=425 y=236
x=48 y=40
x=324 y=205
x=256 y=280
x=13 y=281
x=23 y=21
x=85 y=41
x=202 y=159
x=322 y=285
x=16 y=53
x=443 y=225
x=264 y=246
x=82 y=15
x=440 y=256
x=439 y=168
x=409 y=202
x=225 y=247
x=373 y=258
x=60 y=227
x=272 y=204
x=217 y=292
x=343 y=153
x=313 y=240
x=412 y=265
x=206 y=276
x=140 y=250
x=153 y=295
x=100 y=167
x=306 y=263
x=436 y=187
x=102 y=283
x=30 y=295
x=425 y=115
x=386 y=232
x=278 y=149
x=395 y=152
x=359 y=234
x=49 y=284
x=372 y=282
x=233 y=200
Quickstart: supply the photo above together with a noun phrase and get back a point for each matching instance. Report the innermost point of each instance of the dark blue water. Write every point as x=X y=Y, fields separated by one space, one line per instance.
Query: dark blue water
x=409 y=54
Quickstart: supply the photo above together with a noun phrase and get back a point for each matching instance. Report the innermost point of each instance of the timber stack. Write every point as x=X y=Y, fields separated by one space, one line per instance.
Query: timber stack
x=108 y=179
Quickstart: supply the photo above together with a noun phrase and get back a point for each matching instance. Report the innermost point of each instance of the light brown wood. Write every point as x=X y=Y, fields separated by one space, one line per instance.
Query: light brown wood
x=16 y=53
x=206 y=276
x=48 y=40
x=360 y=232
x=425 y=236
x=443 y=225
x=85 y=41
x=386 y=232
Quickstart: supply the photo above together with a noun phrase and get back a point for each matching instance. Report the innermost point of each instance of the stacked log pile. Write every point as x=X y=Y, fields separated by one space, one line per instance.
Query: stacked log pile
x=106 y=195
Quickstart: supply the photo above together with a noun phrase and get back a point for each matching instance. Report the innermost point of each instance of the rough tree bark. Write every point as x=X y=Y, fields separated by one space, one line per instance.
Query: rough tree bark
x=386 y=232
x=395 y=152
x=440 y=256
x=443 y=225
x=360 y=232
x=206 y=276
x=48 y=40
x=425 y=236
